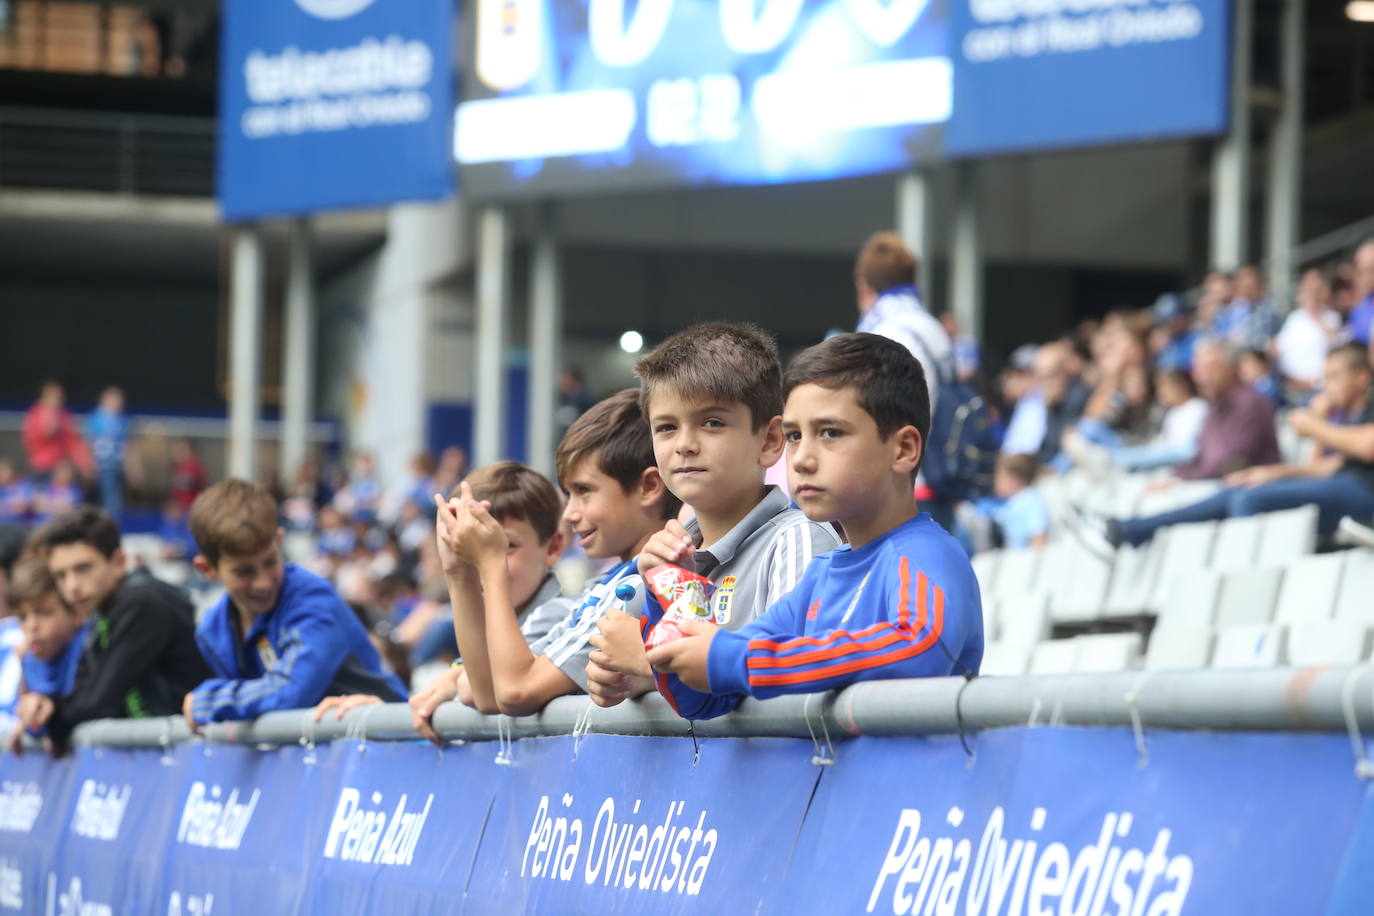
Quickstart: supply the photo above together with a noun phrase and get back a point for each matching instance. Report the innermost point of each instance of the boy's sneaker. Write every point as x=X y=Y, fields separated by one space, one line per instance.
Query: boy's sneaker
x=1353 y=534
x=1089 y=456
x=1097 y=533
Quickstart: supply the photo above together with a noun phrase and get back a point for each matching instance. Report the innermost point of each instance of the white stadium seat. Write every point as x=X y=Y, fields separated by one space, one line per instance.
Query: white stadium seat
x=1248 y=597
x=1004 y=658
x=1287 y=535
x=1178 y=646
x=985 y=570
x=1184 y=548
x=1237 y=543
x=991 y=612
x=1023 y=620
x=1016 y=572
x=1251 y=645
x=1133 y=581
x=1191 y=600
x=1310 y=586
x=1356 y=597
x=1080 y=593
x=1053 y=656
x=1328 y=642
x=1106 y=652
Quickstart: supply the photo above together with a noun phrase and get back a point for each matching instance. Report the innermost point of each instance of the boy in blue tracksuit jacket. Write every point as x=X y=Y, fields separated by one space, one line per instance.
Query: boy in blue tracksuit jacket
x=900 y=600
x=281 y=637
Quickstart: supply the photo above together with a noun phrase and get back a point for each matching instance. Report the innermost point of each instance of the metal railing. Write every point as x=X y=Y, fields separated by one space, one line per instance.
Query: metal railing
x=120 y=153
x=1278 y=699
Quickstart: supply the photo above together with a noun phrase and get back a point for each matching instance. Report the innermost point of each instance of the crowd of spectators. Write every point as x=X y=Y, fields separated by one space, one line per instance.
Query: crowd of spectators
x=1198 y=385
x=1202 y=389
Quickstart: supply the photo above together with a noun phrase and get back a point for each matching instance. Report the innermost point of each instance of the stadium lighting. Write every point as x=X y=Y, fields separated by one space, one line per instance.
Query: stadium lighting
x=1360 y=10
x=632 y=341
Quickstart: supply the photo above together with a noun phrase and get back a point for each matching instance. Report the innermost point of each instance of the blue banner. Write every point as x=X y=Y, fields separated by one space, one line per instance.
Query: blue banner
x=1074 y=822
x=567 y=95
x=1041 y=74
x=1070 y=821
x=246 y=828
x=328 y=104
x=401 y=828
x=33 y=810
x=119 y=814
x=642 y=825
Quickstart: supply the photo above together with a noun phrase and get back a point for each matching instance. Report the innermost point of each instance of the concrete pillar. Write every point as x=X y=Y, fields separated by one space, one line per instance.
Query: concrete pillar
x=966 y=252
x=245 y=349
x=298 y=350
x=916 y=222
x=546 y=347
x=1284 y=213
x=1231 y=155
x=493 y=296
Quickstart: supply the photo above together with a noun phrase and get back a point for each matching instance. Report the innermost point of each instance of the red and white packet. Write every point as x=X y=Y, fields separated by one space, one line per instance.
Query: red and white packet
x=684 y=596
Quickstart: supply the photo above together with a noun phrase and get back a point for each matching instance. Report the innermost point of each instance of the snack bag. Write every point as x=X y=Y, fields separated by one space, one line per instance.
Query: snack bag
x=684 y=596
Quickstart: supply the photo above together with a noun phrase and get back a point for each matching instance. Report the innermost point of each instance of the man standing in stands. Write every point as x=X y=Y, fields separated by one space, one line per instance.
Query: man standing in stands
x=1339 y=478
x=140 y=656
x=50 y=433
x=890 y=306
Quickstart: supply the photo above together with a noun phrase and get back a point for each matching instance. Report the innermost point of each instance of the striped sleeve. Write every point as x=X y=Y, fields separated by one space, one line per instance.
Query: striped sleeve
x=792 y=551
x=904 y=642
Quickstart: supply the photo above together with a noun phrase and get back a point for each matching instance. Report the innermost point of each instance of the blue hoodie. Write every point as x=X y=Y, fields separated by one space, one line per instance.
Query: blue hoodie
x=309 y=646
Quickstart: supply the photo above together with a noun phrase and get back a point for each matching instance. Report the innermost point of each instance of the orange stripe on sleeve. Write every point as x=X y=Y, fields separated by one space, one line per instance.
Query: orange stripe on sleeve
x=861 y=664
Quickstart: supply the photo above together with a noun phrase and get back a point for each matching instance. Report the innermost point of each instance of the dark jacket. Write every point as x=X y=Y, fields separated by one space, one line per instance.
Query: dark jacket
x=139 y=659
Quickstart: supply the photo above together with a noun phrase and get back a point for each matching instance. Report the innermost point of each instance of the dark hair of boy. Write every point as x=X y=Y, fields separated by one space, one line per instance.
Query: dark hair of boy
x=717 y=362
x=885 y=262
x=1259 y=355
x=30 y=583
x=615 y=434
x=517 y=493
x=233 y=517
x=888 y=382
x=1023 y=467
x=82 y=525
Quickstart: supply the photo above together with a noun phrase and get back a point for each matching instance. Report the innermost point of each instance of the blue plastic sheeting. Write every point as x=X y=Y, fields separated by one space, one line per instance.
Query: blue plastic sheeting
x=1039 y=820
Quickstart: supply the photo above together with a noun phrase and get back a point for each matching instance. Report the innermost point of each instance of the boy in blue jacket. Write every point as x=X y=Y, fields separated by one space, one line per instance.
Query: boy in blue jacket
x=281 y=637
x=899 y=600
x=53 y=636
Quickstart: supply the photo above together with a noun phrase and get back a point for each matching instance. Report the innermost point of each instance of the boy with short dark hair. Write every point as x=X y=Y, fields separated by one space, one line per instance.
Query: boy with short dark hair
x=900 y=600
x=53 y=636
x=713 y=397
x=616 y=501
x=527 y=510
x=139 y=657
x=281 y=637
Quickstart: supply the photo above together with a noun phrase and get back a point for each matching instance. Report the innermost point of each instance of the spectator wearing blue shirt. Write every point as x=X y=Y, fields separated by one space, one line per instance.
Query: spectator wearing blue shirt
x=899 y=600
x=53 y=635
x=16 y=495
x=1023 y=517
x=1249 y=321
x=281 y=637
x=1175 y=322
x=107 y=431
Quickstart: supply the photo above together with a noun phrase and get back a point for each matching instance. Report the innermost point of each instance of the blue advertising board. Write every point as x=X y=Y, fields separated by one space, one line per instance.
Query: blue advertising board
x=1037 y=820
x=328 y=104
x=567 y=95
x=1043 y=74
